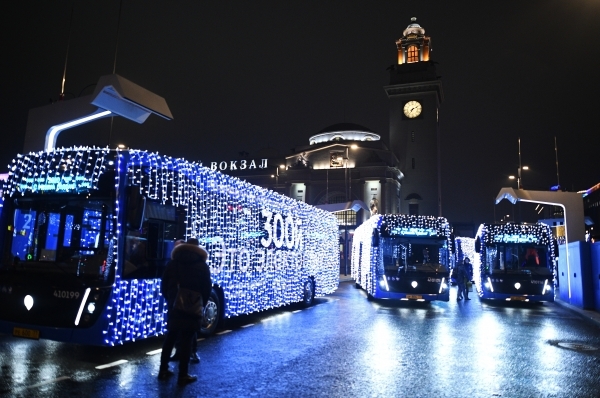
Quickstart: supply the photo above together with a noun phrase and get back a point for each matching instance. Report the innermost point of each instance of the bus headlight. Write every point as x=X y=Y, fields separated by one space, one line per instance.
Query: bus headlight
x=91 y=308
x=547 y=287
x=443 y=285
x=383 y=284
x=489 y=285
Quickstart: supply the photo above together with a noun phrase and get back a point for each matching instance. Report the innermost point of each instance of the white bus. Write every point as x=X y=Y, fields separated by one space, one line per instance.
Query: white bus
x=515 y=262
x=403 y=257
x=87 y=232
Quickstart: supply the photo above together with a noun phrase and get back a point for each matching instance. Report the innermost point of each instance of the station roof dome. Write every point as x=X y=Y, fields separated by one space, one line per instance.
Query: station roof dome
x=344 y=132
x=414 y=28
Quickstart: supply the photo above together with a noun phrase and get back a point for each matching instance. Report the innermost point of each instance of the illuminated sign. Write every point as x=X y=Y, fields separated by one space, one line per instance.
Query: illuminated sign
x=336 y=159
x=243 y=165
x=516 y=238
x=279 y=233
x=414 y=231
x=58 y=184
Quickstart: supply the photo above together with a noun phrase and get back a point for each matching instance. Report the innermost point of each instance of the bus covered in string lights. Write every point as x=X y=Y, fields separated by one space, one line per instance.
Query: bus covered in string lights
x=515 y=262
x=403 y=257
x=87 y=233
x=3 y=178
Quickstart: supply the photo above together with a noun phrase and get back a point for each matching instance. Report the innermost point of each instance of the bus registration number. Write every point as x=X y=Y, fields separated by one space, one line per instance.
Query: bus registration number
x=518 y=298
x=414 y=296
x=66 y=294
x=27 y=333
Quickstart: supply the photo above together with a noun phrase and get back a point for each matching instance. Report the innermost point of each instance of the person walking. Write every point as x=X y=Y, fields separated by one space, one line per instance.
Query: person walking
x=460 y=277
x=187 y=269
x=468 y=277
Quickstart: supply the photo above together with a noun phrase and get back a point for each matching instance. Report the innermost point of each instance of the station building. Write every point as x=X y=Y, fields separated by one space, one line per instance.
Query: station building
x=354 y=172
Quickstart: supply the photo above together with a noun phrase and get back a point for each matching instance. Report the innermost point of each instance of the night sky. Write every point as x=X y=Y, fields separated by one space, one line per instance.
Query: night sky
x=249 y=75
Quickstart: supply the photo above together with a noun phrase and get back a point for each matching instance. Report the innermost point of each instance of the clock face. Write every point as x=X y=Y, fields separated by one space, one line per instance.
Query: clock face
x=412 y=109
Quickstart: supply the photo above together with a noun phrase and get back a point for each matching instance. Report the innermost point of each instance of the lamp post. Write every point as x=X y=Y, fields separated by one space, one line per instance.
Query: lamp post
x=347 y=193
x=276 y=175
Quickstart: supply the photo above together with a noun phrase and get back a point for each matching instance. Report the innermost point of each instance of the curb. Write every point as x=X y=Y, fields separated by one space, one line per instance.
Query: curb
x=588 y=315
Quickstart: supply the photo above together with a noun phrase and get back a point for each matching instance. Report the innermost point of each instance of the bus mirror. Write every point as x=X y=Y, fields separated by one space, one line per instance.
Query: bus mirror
x=136 y=207
x=477 y=245
x=375 y=238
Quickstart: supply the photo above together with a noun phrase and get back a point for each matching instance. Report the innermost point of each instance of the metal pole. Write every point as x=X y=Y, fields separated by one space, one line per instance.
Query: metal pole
x=346 y=215
x=556 y=155
x=346 y=175
x=519 y=184
x=346 y=250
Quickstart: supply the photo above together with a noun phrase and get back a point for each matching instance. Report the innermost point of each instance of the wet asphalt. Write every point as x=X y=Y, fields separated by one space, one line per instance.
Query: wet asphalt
x=343 y=346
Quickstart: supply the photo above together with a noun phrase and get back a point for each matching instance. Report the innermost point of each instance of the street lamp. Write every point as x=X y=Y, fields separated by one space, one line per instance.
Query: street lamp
x=519 y=177
x=276 y=175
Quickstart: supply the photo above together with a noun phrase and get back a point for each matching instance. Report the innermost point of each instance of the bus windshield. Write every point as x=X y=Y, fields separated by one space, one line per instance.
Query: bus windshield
x=400 y=253
x=516 y=257
x=60 y=235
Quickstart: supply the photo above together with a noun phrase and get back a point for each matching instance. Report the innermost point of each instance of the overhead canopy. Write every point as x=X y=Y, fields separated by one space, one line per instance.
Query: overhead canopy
x=114 y=95
x=127 y=99
x=571 y=202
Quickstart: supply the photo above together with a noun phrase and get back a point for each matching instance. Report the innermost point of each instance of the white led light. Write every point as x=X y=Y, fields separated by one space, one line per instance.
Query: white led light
x=28 y=301
x=546 y=286
x=517 y=285
x=85 y=296
x=91 y=308
x=55 y=130
x=489 y=284
x=414 y=284
x=383 y=283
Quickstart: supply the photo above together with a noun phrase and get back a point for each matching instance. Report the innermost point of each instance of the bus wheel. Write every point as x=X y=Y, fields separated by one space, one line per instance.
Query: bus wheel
x=212 y=311
x=308 y=292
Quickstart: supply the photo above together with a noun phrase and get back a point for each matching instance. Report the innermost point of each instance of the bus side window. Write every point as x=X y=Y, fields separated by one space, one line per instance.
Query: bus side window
x=375 y=238
x=155 y=240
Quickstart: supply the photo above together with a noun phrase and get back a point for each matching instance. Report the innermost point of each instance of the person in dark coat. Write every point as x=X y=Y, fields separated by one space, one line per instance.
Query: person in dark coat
x=188 y=269
x=460 y=274
x=469 y=276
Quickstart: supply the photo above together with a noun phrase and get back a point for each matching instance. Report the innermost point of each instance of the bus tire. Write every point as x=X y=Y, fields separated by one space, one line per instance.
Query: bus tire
x=357 y=285
x=212 y=314
x=308 y=292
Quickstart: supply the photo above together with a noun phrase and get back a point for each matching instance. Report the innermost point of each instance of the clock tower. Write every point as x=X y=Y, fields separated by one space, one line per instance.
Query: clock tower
x=415 y=94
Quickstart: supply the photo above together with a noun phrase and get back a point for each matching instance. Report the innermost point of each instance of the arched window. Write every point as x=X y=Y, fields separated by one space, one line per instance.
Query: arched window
x=412 y=53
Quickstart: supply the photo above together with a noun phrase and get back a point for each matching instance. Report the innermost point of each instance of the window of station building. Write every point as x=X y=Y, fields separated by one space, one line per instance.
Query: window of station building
x=412 y=54
x=347 y=217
